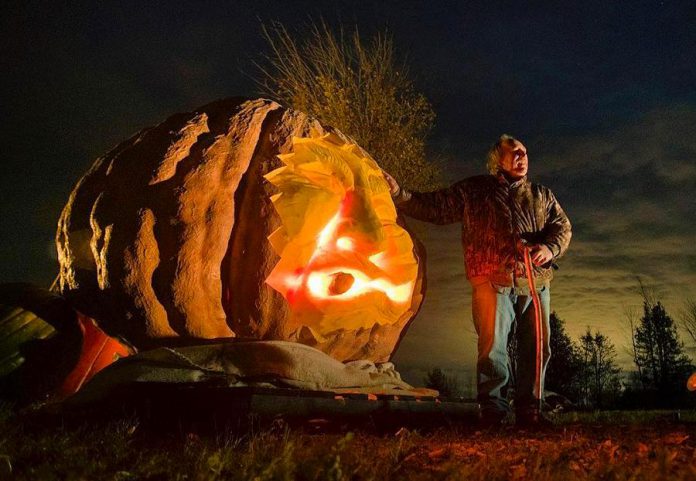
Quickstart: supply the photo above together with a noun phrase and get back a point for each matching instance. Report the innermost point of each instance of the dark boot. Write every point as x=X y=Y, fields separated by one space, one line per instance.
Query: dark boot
x=493 y=419
x=532 y=419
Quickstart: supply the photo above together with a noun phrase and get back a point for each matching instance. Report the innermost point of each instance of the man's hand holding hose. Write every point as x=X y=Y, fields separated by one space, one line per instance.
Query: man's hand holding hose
x=540 y=254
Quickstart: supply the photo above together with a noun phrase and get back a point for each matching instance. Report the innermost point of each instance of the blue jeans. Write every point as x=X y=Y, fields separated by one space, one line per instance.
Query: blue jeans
x=495 y=309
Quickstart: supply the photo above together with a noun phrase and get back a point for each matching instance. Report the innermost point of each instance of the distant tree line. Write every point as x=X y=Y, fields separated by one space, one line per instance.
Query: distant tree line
x=586 y=372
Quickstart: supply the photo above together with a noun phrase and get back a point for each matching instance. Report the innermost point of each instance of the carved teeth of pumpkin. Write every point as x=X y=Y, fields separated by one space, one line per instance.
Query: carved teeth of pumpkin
x=286 y=158
x=278 y=239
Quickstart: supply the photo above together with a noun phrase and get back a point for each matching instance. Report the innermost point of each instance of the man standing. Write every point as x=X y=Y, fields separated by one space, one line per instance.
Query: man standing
x=502 y=214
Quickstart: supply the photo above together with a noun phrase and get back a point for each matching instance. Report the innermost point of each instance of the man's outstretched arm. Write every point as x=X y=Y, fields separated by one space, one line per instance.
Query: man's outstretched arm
x=444 y=206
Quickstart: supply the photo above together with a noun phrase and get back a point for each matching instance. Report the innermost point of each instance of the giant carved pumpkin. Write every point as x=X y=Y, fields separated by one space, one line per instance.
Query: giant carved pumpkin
x=241 y=219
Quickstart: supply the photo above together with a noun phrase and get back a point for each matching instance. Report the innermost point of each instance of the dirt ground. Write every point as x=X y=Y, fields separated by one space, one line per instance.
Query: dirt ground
x=606 y=446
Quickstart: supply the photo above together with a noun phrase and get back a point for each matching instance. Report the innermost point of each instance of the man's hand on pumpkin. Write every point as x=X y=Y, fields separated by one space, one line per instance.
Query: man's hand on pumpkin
x=394 y=188
x=540 y=254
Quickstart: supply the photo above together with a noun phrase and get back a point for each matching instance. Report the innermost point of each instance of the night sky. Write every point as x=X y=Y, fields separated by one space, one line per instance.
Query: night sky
x=602 y=93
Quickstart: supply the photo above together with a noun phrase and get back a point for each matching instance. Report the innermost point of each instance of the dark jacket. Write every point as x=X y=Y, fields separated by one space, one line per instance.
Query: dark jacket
x=495 y=215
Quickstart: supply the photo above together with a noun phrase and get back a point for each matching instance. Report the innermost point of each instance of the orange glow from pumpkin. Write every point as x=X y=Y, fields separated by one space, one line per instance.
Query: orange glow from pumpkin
x=327 y=232
x=380 y=259
x=345 y=243
x=321 y=284
x=344 y=260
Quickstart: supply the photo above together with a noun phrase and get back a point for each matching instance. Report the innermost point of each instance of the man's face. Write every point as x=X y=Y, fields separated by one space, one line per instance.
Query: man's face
x=514 y=161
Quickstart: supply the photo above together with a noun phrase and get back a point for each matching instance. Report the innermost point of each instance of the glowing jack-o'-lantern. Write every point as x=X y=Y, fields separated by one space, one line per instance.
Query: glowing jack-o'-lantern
x=344 y=260
x=241 y=219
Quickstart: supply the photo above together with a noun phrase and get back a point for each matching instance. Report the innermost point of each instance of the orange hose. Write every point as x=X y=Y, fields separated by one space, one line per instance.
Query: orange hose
x=538 y=327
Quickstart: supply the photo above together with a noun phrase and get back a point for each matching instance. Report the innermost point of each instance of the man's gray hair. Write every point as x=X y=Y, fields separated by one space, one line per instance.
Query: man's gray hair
x=493 y=158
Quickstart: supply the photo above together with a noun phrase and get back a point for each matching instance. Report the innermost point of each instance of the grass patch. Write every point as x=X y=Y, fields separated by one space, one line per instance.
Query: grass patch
x=587 y=447
x=626 y=417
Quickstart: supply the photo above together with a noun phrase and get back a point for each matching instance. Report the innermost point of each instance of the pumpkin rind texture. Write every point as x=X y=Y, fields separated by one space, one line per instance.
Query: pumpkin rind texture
x=168 y=238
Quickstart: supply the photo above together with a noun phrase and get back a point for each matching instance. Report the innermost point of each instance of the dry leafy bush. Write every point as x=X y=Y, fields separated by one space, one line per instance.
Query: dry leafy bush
x=359 y=88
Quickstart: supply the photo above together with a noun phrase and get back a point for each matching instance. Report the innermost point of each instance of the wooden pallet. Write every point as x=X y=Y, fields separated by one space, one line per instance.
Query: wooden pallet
x=201 y=403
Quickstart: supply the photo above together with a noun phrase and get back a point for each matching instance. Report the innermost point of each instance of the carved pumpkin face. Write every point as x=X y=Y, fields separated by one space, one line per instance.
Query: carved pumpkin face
x=344 y=261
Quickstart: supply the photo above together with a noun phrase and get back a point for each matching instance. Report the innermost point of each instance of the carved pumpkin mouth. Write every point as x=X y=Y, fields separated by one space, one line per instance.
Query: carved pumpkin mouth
x=344 y=260
x=349 y=285
x=341 y=268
